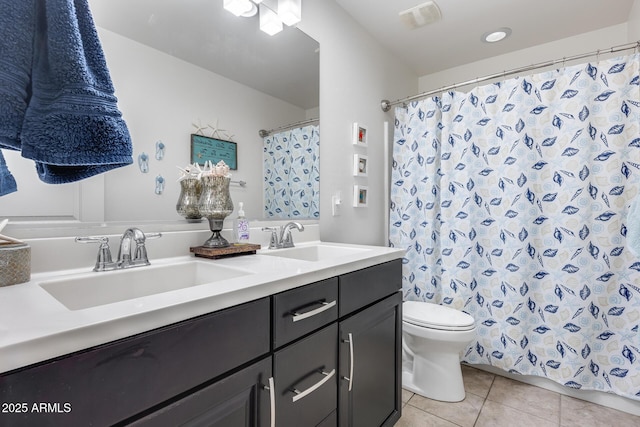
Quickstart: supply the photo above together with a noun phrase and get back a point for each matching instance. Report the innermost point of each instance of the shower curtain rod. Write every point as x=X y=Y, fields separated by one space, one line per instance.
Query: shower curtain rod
x=386 y=104
x=264 y=133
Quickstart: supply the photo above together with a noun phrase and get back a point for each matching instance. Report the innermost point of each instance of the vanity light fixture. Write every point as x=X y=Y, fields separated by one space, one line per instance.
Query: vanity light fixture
x=290 y=11
x=270 y=22
x=273 y=13
x=496 y=35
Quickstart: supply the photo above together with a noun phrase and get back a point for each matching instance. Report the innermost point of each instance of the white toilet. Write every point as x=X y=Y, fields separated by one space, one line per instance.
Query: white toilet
x=432 y=338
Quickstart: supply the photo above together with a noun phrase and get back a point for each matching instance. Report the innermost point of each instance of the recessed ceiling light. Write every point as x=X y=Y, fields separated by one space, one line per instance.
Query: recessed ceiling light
x=496 y=35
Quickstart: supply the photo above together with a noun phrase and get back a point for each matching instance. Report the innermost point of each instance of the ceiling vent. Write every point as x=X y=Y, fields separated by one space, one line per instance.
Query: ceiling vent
x=423 y=14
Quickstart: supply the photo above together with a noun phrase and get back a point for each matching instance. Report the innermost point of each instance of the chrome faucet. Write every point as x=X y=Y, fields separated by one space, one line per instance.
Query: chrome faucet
x=286 y=239
x=281 y=237
x=128 y=255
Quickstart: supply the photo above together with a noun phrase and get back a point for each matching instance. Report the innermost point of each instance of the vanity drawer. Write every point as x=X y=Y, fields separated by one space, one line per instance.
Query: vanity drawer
x=310 y=367
x=363 y=287
x=109 y=383
x=300 y=311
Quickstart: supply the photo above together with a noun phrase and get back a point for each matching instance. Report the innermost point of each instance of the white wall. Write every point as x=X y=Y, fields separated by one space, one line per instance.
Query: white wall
x=355 y=74
x=583 y=43
x=634 y=22
x=160 y=98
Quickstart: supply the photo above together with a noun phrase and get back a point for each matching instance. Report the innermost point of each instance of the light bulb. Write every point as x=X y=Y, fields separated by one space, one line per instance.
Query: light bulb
x=270 y=23
x=238 y=7
x=290 y=11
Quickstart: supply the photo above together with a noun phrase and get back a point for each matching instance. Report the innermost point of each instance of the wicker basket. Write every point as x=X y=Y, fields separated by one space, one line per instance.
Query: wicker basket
x=15 y=263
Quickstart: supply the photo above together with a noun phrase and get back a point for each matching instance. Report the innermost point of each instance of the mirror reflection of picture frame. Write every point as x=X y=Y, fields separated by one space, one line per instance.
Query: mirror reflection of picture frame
x=204 y=148
x=360 y=134
x=360 y=165
x=360 y=196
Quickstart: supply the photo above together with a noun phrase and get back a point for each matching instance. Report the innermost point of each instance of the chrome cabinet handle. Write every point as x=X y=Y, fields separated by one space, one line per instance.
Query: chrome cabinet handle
x=350 y=377
x=272 y=401
x=324 y=307
x=300 y=394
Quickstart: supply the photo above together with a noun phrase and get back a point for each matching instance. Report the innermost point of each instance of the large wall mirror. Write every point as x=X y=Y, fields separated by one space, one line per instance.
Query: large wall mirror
x=181 y=67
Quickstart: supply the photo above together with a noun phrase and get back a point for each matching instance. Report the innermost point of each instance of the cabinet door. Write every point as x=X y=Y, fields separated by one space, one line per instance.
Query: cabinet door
x=370 y=365
x=240 y=400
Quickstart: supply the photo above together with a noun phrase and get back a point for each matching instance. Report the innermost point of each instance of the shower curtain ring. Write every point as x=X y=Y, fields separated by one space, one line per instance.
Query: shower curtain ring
x=598 y=55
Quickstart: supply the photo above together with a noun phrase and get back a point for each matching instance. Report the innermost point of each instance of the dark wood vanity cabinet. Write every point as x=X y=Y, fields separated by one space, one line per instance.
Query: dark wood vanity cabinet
x=114 y=382
x=364 y=334
x=326 y=354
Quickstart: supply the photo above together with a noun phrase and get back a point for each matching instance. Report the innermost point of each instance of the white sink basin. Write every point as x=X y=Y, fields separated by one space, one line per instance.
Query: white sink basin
x=99 y=288
x=314 y=253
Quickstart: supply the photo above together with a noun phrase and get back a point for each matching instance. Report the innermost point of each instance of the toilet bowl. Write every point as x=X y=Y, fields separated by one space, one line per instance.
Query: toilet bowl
x=432 y=338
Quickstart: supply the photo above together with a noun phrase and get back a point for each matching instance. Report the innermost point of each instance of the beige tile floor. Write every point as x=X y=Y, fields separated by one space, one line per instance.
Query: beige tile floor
x=495 y=401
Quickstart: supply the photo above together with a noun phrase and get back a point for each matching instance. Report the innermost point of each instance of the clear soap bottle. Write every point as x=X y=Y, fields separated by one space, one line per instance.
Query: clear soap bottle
x=241 y=226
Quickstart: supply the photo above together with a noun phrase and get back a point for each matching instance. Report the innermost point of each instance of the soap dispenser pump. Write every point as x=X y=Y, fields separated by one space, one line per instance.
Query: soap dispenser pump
x=241 y=225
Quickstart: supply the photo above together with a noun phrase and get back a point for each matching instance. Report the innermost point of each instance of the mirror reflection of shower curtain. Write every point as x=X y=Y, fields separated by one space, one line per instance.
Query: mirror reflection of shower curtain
x=291 y=173
x=512 y=201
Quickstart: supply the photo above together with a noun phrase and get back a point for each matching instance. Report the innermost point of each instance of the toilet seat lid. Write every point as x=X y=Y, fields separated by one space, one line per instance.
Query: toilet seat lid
x=436 y=316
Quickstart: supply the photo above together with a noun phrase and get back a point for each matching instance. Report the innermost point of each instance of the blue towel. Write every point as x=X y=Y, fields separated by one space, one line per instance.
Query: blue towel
x=7 y=182
x=16 y=53
x=54 y=78
x=633 y=227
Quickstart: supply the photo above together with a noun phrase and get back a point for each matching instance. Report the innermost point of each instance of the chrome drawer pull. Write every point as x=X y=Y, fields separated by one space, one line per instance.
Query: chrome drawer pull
x=272 y=400
x=350 y=377
x=325 y=306
x=300 y=394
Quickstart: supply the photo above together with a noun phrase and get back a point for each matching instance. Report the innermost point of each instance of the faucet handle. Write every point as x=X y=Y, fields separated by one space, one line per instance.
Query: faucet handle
x=273 y=241
x=140 y=254
x=103 y=261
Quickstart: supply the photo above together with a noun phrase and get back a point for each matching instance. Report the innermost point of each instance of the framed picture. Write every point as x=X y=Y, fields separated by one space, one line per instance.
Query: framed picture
x=360 y=165
x=359 y=134
x=360 y=196
x=204 y=148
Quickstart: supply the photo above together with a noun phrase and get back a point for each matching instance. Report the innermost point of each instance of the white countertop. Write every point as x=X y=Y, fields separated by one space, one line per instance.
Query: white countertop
x=34 y=326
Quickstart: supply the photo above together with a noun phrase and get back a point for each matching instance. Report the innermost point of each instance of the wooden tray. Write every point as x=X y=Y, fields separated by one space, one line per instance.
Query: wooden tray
x=235 y=249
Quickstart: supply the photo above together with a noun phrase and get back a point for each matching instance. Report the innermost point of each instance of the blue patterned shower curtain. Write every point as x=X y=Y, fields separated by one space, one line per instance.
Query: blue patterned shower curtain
x=511 y=201
x=291 y=173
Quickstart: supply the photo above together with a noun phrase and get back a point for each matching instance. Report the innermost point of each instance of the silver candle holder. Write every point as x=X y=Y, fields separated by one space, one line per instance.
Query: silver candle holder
x=189 y=199
x=215 y=204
